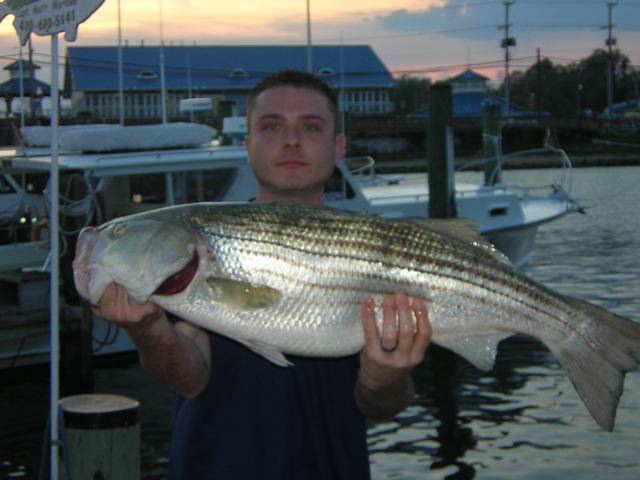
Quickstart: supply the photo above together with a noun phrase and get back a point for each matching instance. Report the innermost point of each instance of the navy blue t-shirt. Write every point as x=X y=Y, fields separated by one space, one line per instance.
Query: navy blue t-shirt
x=258 y=420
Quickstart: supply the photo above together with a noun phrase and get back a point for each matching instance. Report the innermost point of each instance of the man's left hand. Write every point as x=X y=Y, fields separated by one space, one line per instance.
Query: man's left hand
x=384 y=384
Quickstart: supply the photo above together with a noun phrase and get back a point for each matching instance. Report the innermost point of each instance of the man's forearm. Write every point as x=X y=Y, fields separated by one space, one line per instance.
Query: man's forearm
x=381 y=403
x=170 y=355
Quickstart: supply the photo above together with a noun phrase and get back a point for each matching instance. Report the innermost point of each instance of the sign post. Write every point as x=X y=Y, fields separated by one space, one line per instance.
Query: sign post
x=51 y=17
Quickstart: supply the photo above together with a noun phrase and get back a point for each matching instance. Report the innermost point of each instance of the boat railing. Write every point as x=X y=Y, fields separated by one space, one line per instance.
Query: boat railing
x=363 y=167
x=500 y=160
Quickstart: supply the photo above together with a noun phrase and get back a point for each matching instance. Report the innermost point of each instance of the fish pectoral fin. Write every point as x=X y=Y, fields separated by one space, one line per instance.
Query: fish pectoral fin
x=242 y=295
x=266 y=351
x=480 y=350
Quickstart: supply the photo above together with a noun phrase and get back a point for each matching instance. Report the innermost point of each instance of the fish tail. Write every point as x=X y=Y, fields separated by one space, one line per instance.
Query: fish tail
x=601 y=350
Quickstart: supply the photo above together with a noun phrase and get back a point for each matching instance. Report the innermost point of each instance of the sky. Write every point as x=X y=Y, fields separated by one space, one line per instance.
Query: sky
x=434 y=38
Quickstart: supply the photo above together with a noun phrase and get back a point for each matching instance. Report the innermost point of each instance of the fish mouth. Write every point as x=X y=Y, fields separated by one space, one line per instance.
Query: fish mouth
x=88 y=247
x=180 y=280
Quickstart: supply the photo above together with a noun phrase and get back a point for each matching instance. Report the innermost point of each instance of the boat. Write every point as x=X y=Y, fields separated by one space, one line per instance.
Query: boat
x=97 y=186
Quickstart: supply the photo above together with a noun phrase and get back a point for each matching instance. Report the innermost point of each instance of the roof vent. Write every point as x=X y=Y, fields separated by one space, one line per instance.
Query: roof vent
x=146 y=75
x=326 y=72
x=238 y=73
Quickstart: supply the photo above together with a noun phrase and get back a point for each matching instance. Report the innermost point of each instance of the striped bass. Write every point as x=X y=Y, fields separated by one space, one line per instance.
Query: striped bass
x=290 y=280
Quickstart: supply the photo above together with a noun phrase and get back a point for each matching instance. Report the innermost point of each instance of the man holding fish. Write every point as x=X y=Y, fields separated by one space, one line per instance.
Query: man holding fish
x=237 y=415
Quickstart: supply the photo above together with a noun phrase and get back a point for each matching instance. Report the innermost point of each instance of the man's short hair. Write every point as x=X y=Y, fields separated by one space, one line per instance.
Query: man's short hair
x=298 y=79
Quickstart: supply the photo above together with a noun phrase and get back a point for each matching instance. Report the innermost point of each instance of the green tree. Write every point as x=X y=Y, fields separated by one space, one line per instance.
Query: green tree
x=594 y=78
x=545 y=88
x=411 y=94
x=563 y=90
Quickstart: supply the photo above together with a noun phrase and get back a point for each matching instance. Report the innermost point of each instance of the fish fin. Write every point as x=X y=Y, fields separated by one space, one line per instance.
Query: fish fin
x=480 y=350
x=605 y=346
x=266 y=351
x=463 y=229
x=242 y=295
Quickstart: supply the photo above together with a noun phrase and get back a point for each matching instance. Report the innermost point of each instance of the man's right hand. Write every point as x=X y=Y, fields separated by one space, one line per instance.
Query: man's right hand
x=118 y=307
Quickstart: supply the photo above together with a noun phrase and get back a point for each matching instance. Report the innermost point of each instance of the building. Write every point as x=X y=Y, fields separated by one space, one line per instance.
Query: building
x=224 y=74
x=22 y=84
x=469 y=92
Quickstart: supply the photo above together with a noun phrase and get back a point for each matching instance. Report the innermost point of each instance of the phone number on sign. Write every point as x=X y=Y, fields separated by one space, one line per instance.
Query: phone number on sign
x=47 y=23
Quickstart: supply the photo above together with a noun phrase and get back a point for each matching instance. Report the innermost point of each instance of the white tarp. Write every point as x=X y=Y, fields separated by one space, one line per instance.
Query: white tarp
x=106 y=138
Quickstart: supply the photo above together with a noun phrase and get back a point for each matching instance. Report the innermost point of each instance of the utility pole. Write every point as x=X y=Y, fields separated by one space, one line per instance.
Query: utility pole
x=507 y=42
x=610 y=42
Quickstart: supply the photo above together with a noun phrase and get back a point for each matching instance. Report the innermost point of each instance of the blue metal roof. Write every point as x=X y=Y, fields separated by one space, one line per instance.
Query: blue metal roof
x=11 y=88
x=468 y=75
x=209 y=67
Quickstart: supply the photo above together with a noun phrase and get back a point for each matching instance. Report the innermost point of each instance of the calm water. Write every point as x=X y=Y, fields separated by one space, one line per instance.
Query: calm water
x=522 y=420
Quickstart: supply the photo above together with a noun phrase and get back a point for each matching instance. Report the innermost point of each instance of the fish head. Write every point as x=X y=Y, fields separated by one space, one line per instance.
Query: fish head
x=142 y=255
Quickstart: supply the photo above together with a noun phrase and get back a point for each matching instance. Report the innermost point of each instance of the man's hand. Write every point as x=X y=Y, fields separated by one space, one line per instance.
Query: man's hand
x=179 y=354
x=117 y=306
x=384 y=385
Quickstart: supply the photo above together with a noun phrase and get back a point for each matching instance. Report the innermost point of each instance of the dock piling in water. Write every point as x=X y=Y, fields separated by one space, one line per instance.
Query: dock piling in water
x=442 y=203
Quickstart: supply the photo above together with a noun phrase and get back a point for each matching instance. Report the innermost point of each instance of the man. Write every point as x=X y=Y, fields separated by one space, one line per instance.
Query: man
x=236 y=415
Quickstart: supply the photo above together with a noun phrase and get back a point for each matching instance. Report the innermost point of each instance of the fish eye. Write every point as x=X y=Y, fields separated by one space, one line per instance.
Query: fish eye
x=119 y=229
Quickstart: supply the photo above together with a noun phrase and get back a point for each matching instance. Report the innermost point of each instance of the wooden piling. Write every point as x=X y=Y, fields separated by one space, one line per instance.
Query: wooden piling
x=100 y=437
x=442 y=202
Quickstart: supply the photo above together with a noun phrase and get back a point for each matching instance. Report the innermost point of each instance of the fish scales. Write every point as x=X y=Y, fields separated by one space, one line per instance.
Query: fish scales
x=366 y=240
x=284 y=279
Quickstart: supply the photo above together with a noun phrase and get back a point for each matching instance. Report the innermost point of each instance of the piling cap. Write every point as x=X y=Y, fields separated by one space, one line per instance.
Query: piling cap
x=99 y=411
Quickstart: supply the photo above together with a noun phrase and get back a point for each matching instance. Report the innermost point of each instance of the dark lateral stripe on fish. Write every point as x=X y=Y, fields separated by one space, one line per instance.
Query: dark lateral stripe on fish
x=516 y=293
x=485 y=278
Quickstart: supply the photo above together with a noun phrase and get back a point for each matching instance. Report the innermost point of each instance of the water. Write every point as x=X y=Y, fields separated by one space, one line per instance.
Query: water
x=522 y=420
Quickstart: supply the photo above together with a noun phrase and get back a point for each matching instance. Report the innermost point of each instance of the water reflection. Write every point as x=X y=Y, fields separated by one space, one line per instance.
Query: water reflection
x=523 y=420
x=458 y=407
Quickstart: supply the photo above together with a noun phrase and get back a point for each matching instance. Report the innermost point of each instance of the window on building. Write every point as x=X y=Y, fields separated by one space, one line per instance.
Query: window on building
x=238 y=73
x=146 y=75
x=326 y=72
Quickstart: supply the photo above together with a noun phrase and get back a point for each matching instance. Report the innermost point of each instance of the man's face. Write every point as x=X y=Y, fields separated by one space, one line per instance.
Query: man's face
x=292 y=144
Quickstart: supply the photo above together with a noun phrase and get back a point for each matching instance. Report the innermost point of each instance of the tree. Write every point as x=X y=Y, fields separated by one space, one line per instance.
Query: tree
x=411 y=94
x=594 y=78
x=563 y=90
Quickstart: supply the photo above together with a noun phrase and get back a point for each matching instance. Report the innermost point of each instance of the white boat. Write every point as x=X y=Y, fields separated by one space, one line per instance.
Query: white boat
x=96 y=187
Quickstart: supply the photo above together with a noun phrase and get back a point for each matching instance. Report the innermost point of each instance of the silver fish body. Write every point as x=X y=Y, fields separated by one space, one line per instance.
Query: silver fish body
x=285 y=279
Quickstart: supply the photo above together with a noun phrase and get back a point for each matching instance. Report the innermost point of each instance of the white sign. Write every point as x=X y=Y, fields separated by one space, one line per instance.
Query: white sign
x=46 y=17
